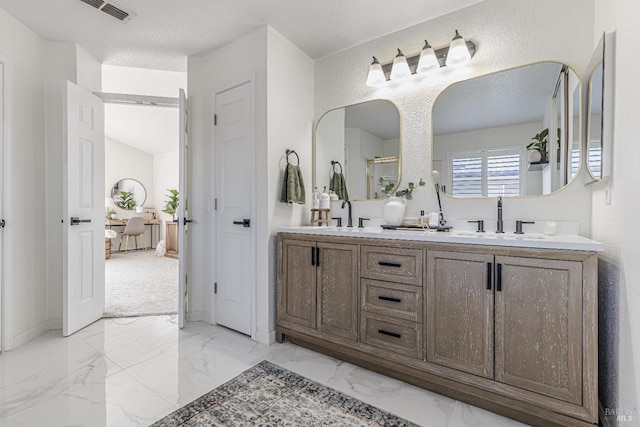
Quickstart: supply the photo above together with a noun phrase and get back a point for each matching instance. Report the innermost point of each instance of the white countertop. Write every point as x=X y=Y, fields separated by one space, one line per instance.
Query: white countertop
x=527 y=240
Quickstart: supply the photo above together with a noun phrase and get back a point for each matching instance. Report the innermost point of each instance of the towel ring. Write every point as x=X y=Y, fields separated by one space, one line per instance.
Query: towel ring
x=334 y=163
x=292 y=152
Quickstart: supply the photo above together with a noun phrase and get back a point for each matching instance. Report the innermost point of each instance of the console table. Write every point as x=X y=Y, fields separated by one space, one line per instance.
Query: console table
x=110 y=223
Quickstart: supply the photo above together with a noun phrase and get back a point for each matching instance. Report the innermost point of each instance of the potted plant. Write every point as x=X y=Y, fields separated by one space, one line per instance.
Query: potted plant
x=126 y=200
x=394 y=206
x=113 y=214
x=171 y=205
x=539 y=143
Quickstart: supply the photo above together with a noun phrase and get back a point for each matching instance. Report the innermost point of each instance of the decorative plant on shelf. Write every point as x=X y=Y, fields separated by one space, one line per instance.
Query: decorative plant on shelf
x=125 y=200
x=171 y=205
x=387 y=187
x=113 y=214
x=539 y=141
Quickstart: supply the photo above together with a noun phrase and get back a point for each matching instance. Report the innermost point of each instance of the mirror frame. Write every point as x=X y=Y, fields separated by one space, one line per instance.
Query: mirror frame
x=580 y=127
x=146 y=195
x=314 y=145
x=602 y=55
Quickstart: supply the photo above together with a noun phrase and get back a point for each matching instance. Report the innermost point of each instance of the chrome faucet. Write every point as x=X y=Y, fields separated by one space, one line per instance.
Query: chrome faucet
x=500 y=228
x=349 y=219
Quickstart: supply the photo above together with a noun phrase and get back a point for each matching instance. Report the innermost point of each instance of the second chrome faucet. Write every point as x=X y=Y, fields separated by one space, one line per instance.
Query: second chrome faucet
x=500 y=225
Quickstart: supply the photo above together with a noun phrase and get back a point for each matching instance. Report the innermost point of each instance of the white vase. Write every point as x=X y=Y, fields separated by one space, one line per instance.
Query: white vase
x=394 y=210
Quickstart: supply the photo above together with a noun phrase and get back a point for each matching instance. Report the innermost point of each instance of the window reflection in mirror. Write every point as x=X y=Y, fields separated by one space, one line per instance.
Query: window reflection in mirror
x=365 y=139
x=511 y=133
x=594 y=141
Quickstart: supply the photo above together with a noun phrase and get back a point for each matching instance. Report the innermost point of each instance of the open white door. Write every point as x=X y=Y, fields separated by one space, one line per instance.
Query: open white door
x=183 y=214
x=83 y=213
x=235 y=191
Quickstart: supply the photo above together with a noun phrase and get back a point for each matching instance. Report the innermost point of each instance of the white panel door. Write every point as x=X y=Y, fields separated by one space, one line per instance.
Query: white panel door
x=183 y=213
x=83 y=220
x=3 y=115
x=235 y=178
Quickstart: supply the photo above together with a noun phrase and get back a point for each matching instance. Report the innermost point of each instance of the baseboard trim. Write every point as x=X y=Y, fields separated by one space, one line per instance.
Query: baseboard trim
x=199 y=316
x=30 y=334
x=265 y=337
x=54 y=325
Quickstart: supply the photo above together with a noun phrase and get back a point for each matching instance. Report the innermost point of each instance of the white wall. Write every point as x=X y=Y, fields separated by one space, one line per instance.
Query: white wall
x=25 y=210
x=287 y=94
x=290 y=124
x=243 y=57
x=616 y=225
x=141 y=81
x=123 y=161
x=508 y=34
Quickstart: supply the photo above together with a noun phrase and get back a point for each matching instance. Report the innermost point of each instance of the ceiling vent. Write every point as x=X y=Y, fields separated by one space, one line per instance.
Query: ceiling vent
x=109 y=8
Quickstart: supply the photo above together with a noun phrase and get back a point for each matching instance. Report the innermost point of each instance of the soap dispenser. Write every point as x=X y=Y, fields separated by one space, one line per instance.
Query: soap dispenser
x=325 y=199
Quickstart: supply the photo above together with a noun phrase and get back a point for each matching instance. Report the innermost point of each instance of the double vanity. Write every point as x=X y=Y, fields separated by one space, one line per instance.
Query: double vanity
x=505 y=322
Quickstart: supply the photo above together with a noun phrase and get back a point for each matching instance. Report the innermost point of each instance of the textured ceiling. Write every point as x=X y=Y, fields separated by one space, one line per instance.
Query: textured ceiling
x=162 y=33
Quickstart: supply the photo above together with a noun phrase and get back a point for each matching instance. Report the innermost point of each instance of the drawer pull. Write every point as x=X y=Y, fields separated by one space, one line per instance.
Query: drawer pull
x=389 y=264
x=391 y=334
x=382 y=297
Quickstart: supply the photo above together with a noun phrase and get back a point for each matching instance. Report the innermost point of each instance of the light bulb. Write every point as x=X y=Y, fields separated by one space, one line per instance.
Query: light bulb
x=458 y=52
x=376 y=75
x=400 y=69
x=428 y=60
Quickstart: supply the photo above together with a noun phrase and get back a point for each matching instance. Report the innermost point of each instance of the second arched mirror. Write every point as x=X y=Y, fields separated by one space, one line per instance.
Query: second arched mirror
x=361 y=141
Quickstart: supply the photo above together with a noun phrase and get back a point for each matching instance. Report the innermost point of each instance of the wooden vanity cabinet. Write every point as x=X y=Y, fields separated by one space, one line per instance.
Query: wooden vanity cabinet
x=318 y=287
x=512 y=330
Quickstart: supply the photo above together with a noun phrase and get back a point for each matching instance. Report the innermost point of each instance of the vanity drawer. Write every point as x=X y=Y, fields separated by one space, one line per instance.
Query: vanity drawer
x=398 y=265
x=399 y=336
x=392 y=299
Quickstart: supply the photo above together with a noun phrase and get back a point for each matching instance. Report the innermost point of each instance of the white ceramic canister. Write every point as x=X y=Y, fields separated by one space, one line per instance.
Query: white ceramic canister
x=394 y=210
x=434 y=219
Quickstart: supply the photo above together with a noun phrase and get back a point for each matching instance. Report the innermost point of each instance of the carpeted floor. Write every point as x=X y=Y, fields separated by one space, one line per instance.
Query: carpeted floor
x=139 y=284
x=268 y=395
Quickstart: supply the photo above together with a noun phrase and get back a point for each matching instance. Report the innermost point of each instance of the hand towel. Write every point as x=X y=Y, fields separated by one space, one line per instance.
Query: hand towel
x=339 y=185
x=292 y=185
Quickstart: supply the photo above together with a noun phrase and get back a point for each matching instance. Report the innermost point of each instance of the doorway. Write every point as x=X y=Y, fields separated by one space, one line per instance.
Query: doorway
x=141 y=196
x=5 y=342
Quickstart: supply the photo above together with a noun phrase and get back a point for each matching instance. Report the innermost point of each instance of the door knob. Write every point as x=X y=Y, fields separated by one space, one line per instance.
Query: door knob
x=76 y=221
x=245 y=222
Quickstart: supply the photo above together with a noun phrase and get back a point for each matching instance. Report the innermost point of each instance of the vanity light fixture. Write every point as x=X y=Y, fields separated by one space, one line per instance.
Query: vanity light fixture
x=428 y=60
x=457 y=53
x=376 y=75
x=400 y=69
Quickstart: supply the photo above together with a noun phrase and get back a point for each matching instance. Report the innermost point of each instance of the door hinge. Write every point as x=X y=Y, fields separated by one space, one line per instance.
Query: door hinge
x=215 y=204
x=3 y=223
x=215 y=288
x=215 y=120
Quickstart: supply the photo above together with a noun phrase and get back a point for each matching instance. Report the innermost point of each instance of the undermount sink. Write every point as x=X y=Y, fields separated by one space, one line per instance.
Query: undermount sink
x=493 y=235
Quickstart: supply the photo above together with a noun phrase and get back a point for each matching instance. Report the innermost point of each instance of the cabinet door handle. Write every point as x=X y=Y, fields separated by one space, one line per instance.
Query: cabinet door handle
x=489 y=276
x=391 y=334
x=389 y=264
x=313 y=255
x=499 y=277
x=318 y=257
x=382 y=297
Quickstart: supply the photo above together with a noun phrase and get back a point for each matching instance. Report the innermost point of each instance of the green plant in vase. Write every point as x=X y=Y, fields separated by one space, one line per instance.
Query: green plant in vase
x=171 y=205
x=125 y=200
x=410 y=187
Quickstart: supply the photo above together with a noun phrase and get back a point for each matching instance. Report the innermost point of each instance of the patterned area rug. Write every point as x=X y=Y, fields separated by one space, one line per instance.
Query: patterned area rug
x=268 y=395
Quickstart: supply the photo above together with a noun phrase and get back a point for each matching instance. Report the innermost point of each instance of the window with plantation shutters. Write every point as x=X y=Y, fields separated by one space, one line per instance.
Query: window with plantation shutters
x=497 y=172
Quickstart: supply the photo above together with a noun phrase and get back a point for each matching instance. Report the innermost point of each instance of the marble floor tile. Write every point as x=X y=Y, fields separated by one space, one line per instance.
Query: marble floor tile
x=135 y=371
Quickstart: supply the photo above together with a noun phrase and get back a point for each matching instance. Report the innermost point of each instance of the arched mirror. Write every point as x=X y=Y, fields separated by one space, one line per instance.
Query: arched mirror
x=600 y=102
x=128 y=194
x=362 y=142
x=511 y=133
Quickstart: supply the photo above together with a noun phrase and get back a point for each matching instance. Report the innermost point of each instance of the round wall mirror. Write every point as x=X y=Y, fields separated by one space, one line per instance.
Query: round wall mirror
x=362 y=143
x=128 y=194
x=511 y=133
